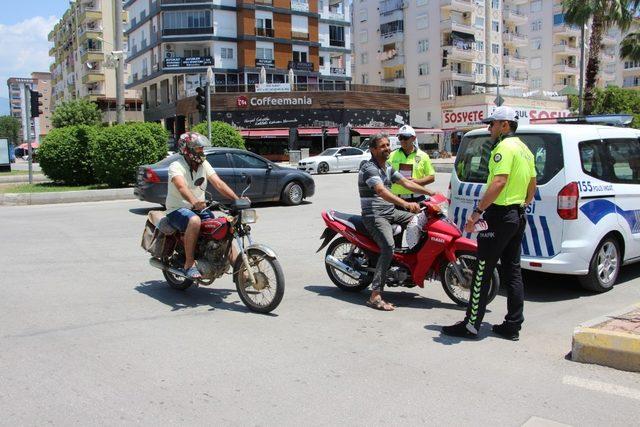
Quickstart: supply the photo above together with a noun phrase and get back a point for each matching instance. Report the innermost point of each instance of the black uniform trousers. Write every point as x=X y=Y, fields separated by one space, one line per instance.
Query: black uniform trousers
x=501 y=241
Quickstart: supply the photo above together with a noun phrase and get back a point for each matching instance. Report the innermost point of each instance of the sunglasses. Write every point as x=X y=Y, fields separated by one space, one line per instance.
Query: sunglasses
x=404 y=137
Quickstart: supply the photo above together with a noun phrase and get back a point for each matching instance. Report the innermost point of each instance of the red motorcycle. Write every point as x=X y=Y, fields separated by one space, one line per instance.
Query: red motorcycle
x=256 y=271
x=440 y=254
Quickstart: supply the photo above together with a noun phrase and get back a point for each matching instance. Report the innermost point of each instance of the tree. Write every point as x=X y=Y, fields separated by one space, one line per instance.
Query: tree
x=10 y=128
x=222 y=134
x=614 y=100
x=78 y=112
x=65 y=155
x=603 y=14
x=630 y=47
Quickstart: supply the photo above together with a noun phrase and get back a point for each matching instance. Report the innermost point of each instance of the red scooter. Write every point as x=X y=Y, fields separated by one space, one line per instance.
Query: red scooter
x=440 y=254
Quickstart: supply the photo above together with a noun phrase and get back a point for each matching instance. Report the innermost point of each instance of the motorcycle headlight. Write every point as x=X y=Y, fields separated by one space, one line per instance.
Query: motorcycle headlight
x=248 y=216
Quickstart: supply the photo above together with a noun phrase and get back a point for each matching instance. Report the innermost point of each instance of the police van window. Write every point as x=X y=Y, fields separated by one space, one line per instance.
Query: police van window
x=612 y=160
x=473 y=156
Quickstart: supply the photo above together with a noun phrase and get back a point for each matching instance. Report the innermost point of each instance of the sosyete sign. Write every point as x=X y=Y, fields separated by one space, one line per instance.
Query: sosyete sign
x=472 y=116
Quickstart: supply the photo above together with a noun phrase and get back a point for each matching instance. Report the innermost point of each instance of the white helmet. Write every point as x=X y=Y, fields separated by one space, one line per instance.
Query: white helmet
x=406 y=131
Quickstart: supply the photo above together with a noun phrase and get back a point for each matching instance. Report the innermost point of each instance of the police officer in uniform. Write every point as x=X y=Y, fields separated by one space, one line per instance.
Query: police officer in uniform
x=511 y=185
x=413 y=163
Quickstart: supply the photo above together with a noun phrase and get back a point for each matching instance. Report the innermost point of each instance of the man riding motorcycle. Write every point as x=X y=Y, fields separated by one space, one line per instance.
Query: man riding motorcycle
x=184 y=197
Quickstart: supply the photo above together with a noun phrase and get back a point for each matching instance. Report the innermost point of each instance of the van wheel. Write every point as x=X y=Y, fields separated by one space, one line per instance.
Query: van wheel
x=604 y=267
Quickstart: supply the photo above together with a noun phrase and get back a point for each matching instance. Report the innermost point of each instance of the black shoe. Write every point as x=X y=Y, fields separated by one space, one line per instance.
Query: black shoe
x=459 y=330
x=505 y=331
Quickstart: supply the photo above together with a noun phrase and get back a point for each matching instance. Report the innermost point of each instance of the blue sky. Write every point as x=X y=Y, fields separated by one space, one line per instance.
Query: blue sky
x=24 y=25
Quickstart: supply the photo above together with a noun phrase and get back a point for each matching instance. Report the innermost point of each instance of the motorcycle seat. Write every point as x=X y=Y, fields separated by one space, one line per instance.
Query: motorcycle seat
x=355 y=222
x=160 y=221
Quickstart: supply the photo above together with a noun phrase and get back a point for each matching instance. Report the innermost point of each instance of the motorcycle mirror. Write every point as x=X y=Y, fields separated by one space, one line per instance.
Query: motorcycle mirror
x=198 y=182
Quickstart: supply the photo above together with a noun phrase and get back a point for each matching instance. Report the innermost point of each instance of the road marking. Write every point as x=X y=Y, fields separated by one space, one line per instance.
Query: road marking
x=602 y=387
x=543 y=422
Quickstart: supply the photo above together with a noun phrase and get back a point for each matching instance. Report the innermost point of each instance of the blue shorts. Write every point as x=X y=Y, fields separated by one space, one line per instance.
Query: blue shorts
x=180 y=218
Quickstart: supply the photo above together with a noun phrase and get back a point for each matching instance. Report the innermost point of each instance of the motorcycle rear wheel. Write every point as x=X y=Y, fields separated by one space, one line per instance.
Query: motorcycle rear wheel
x=339 y=249
x=267 y=291
x=460 y=292
x=176 y=282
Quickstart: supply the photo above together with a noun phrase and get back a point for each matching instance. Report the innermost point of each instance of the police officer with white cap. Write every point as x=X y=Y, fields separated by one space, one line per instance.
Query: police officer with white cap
x=511 y=184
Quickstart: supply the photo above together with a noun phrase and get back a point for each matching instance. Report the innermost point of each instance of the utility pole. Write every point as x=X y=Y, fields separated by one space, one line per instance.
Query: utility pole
x=581 y=85
x=208 y=89
x=117 y=35
x=27 y=97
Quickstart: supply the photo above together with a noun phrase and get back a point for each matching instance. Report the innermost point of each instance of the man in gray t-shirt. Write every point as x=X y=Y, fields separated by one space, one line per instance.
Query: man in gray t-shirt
x=379 y=211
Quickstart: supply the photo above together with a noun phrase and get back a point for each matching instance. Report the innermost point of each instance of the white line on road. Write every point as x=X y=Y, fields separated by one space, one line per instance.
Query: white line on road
x=602 y=387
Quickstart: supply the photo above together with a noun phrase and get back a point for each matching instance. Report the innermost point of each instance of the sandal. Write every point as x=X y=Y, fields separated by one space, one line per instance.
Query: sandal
x=192 y=273
x=381 y=305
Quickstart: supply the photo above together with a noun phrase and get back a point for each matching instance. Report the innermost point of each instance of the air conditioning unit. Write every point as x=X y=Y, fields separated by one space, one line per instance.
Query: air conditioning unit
x=168 y=54
x=168 y=47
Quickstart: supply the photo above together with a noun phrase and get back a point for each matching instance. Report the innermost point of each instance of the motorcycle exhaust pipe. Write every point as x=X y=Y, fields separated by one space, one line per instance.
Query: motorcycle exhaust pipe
x=155 y=262
x=336 y=263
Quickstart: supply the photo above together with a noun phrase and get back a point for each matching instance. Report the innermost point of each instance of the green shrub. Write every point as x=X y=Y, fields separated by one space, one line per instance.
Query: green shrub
x=160 y=134
x=222 y=134
x=117 y=151
x=65 y=155
x=74 y=113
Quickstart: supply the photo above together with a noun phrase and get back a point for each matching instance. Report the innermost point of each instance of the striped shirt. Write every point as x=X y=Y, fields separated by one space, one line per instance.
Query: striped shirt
x=370 y=175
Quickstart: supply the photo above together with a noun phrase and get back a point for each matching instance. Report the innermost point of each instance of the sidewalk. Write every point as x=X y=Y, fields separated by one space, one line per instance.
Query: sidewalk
x=21 y=199
x=612 y=340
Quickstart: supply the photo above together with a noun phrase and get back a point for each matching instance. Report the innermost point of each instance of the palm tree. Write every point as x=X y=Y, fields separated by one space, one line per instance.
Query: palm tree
x=603 y=15
x=630 y=47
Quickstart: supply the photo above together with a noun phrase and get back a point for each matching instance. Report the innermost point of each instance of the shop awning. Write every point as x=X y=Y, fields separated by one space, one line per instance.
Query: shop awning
x=25 y=146
x=316 y=131
x=393 y=131
x=265 y=133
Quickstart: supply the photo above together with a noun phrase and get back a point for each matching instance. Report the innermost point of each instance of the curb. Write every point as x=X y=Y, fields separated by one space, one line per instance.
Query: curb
x=615 y=349
x=22 y=199
x=19 y=179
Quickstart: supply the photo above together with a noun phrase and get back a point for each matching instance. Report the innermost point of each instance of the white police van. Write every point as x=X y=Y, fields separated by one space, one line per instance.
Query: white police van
x=585 y=217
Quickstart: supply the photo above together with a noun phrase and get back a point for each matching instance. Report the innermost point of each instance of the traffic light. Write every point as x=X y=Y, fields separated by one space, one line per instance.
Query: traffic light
x=325 y=132
x=35 y=103
x=201 y=99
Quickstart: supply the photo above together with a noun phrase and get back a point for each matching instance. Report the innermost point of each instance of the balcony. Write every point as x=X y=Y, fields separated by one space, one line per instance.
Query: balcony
x=90 y=33
x=396 y=36
x=333 y=15
x=186 y=31
x=458 y=5
x=264 y=2
x=515 y=39
x=560 y=85
x=462 y=52
x=514 y=81
x=566 y=30
x=300 y=5
x=393 y=61
x=608 y=57
x=449 y=25
x=90 y=14
x=566 y=69
x=91 y=55
x=452 y=73
x=394 y=81
x=299 y=35
x=566 y=49
x=608 y=39
x=514 y=61
x=514 y=16
x=93 y=76
x=265 y=32
x=336 y=43
x=337 y=71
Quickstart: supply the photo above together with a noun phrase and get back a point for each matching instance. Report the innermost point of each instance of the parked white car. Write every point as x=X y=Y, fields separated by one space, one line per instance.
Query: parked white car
x=335 y=159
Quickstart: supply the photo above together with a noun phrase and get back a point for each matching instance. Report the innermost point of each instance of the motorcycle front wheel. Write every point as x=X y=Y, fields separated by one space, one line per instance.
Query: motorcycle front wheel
x=346 y=252
x=265 y=294
x=461 y=292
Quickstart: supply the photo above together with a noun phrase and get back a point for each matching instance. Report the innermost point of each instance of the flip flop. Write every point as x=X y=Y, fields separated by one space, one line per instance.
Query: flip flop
x=381 y=305
x=192 y=273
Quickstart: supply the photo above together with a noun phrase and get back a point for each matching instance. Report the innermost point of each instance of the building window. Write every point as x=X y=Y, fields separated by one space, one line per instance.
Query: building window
x=392 y=27
x=495 y=4
x=336 y=36
x=190 y=19
x=480 y=46
x=421 y=2
x=362 y=15
x=536 y=83
x=479 y=22
x=536 y=6
x=428 y=116
x=321 y=61
x=536 y=44
x=299 y=56
x=480 y=69
x=536 y=25
x=495 y=26
x=364 y=58
x=423 y=69
x=558 y=19
x=364 y=36
x=365 y=79
x=424 y=91
x=495 y=48
x=422 y=21
x=423 y=45
x=264 y=53
x=535 y=63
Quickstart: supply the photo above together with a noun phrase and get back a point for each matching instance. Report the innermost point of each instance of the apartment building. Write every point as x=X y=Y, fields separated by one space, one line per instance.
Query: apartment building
x=449 y=54
x=172 y=43
x=84 y=66
x=40 y=82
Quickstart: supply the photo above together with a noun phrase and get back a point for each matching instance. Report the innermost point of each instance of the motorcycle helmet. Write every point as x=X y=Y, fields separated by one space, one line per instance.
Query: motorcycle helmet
x=189 y=143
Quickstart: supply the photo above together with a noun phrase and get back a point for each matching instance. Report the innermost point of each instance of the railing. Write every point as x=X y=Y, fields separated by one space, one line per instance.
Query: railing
x=265 y=32
x=389 y=6
x=336 y=70
x=342 y=86
x=186 y=31
x=299 y=35
x=265 y=2
x=339 y=43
